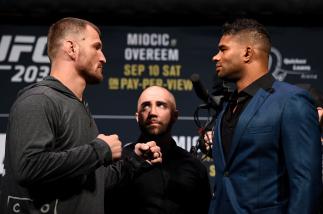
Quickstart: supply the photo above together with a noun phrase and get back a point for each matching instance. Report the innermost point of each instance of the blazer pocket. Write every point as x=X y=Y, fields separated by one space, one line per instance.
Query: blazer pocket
x=259 y=129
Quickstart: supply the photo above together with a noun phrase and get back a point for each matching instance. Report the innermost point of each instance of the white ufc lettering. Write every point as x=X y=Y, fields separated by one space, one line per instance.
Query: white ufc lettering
x=23 y=44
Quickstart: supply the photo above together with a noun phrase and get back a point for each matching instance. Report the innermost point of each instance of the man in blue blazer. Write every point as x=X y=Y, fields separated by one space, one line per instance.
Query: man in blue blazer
x=267 y=138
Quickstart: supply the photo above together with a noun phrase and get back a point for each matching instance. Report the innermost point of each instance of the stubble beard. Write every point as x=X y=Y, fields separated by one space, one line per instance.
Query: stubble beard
x=90 y=78
x=154 y=133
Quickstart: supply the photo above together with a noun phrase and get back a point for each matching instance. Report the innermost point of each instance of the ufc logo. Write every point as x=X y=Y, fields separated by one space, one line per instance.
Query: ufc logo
x=11 y=48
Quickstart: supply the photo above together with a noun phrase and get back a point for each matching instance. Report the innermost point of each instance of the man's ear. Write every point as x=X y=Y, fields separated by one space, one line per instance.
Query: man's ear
x=175 y=115
x=248 y=54
x=137 y=117
x=71 y=49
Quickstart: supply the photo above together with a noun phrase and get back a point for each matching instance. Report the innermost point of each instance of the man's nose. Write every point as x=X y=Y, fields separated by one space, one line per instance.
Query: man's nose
x=216 y=57
x=153 y=110
x=102 y=58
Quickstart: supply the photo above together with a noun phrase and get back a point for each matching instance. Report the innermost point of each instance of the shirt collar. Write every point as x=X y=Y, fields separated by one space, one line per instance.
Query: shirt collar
x=265 y=82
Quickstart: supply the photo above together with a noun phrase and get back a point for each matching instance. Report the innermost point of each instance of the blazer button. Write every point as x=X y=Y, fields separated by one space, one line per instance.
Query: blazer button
x=226 y=174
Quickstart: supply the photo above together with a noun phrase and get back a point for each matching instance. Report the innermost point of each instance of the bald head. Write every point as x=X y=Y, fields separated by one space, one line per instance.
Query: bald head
x=156 y=113
x=156 y=93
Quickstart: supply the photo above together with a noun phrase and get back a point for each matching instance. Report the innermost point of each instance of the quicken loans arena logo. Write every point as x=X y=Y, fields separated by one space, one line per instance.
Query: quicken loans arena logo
x=24 y=56
x=281 y=67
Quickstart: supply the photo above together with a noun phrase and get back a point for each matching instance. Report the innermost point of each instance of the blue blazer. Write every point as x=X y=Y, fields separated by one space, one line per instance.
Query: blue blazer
x=273 y=164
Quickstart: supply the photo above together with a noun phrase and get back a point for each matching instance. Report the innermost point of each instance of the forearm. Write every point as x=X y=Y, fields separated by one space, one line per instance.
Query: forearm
x=46 y=167
x=121 y=173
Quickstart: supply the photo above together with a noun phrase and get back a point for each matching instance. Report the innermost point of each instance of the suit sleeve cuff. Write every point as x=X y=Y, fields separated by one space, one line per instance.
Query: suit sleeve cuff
x=103 y=151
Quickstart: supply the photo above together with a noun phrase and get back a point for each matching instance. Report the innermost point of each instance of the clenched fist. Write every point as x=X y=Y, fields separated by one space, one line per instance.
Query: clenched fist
x=149 y=151
x=114 y=144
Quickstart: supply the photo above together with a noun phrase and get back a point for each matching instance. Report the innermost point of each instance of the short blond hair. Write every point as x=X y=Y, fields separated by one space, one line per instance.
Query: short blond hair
x=61 y=29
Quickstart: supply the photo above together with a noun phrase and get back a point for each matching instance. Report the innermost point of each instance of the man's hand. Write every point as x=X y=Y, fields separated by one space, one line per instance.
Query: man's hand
x=149 y=151
x=208 y=139
x=320 y=113
x=114 y=144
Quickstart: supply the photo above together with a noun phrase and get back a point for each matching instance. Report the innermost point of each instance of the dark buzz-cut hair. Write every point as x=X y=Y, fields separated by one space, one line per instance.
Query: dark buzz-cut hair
x=253 y=28
x=62 y=28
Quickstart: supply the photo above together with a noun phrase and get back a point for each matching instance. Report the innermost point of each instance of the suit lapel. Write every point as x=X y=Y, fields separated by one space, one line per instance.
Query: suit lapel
x=218 y=136
x=245 y=117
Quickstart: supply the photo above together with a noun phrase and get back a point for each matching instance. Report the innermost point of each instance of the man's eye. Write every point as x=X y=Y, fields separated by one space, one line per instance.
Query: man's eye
x=145 y=108
x=162 y=106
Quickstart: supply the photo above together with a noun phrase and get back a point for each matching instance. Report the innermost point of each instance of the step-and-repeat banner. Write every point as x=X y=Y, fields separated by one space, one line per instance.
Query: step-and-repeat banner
x=141 y=56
